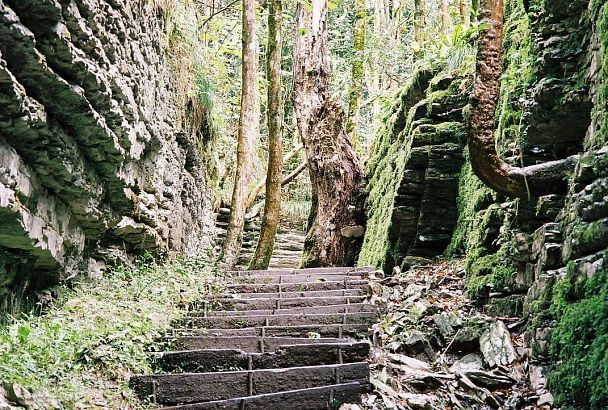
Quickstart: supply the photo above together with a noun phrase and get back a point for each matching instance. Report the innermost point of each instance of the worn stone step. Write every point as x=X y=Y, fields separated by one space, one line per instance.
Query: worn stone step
x=236 y=322
x=342 y=308
x=315 y=398
x=248 y=344
x=306 y=271
x=296 y=286
x=184 y=388
x=298 y=294
x=214 y=360
x=286 y=303
x=308 y=278
x=358 y=331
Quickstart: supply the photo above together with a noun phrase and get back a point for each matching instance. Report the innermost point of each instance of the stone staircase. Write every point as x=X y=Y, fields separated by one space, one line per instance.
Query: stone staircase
x=277 y=339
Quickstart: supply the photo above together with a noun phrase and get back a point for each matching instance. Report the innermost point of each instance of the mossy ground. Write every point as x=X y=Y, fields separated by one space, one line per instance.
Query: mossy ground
x=83 y=350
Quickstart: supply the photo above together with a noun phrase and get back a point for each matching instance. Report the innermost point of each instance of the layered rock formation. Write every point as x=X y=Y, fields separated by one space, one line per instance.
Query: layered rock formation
x=91 y=165
x=414 y=170
x=545 y=258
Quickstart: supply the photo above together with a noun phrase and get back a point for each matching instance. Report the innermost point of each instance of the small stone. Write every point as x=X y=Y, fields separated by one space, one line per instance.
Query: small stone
x=467 y=363
x=545 y=399
x=495 y=344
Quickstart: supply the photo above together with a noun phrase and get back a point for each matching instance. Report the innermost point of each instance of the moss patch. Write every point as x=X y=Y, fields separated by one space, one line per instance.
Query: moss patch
x=579 y=342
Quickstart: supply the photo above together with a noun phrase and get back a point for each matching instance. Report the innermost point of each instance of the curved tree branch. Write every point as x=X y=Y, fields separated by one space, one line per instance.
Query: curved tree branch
x=535 y=180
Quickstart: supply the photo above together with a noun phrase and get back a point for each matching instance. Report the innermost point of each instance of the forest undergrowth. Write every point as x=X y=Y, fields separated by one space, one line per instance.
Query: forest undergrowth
x=80 y=353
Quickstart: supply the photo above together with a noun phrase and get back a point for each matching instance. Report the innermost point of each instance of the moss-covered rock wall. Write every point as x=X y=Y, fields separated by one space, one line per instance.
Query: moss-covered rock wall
x=544 y=258
x=413 y=171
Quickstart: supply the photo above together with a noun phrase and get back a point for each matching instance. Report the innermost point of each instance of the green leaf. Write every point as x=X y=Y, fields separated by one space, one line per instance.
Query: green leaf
x=331 y=5
x=23 y=332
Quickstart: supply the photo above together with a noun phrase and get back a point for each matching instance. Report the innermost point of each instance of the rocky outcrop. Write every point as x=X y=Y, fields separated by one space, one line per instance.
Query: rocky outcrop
x=413 y=171
x=91 y=165
x=545 y=258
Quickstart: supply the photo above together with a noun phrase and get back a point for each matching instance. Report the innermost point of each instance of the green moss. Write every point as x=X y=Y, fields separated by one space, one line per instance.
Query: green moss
x=600 y=112
x=473 y=196
x=407 y=125
x=519 y=73
x=579 y=342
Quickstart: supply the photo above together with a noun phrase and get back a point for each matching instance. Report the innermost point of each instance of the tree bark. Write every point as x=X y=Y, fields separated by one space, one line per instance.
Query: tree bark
x=247 y=135
x=419 y=21
x=534 y=180
x=337 y=218
x=445 y=17
x=272 y=205
x=463 y=10
x=357 y=72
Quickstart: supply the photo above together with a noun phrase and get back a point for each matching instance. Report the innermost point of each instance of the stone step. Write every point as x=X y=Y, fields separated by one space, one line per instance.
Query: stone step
x=214 y=360
x=297 y=294
x=359 y=331
x=184 y=388
x=308 y=278
x=325 y=397
x=295 y=286
x=343 y=308
x=237 y=322
x=247 y=344
x=358 y=271
x=283 y=303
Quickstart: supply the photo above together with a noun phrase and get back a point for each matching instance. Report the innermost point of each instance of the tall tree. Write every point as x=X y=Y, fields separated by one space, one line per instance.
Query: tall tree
x=534 y=180
x=357 y=72
x=445 y=16
x=419 y=20
x=336 y=224
x=248 y=130
x=463 y=10
x=272 y=205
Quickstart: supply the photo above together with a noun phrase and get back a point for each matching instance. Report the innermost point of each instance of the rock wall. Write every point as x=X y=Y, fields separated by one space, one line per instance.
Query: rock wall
x=91 y=165
x=545 y=258
x=414 y=170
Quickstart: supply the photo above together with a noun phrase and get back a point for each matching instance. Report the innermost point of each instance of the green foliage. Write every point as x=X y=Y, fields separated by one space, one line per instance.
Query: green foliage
x=83 y=350
x=579 y=342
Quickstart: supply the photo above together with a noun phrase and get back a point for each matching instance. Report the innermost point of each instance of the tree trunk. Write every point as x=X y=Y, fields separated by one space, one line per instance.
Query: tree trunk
x=272 y=205
x=337 y=218
x=356 y=84
x=463 y=10
x=247 y=135
x=419 y=21
x=534 y=180
x=445 y=17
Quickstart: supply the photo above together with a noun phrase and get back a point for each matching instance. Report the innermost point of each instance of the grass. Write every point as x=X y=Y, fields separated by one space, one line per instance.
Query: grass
x=82 y=351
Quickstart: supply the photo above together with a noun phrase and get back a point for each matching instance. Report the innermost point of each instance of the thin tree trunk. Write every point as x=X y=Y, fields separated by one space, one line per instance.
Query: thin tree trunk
x=247 y=135
x=336 y=222
x=272 y=205
x=445 y=16
x=356 y=84
x=419 y=21
x=535 y=180
x=255 y=193
x=464 y=12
